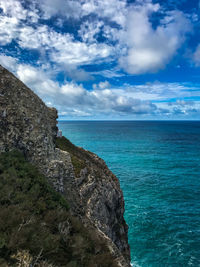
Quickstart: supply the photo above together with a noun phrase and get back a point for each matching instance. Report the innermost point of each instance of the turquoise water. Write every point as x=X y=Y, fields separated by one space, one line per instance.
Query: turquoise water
x=158 y=165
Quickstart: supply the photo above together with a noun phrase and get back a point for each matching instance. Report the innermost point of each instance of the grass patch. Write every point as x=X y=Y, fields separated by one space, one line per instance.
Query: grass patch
x=77 y=164
x=77 y=154
x=82 y=158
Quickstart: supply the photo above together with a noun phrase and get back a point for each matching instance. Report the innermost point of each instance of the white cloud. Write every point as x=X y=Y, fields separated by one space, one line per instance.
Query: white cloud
x=104 y=85
x=196 y=56
x=75 y=73
x=108 y=73
x=180 y=109
x=101 y=85
x=37 y=80
x=63 y=48
x=68 y=9
x=162 y=91
x=39 y=37
x=12 y=20
x=149 y=49
x=13 y=8
x=8 y=62
x=88 y=31
x=111 y=9
x=72 y=99
x=8 y=29
x=76 y=53
x=140 y=47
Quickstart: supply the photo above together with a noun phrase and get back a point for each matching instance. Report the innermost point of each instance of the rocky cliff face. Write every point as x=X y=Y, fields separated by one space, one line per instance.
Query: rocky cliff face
x=25 y=122
x=92 y=190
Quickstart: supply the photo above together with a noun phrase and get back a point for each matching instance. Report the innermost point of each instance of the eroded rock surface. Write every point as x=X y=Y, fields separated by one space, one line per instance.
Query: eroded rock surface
x=92 y=190
x=25 y=121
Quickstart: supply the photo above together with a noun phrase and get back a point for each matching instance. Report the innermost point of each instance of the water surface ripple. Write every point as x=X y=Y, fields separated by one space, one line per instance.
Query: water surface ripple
x=158 y=165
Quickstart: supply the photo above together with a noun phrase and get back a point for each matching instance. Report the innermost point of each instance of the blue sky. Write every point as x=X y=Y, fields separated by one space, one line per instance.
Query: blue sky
x=106 y=59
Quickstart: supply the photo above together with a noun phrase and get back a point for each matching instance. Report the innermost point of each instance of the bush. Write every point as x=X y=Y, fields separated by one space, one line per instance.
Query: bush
x=75 y=152
x=36 y=224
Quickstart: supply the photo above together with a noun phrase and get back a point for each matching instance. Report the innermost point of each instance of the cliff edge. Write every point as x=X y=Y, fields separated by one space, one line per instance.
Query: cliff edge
x=90 y=188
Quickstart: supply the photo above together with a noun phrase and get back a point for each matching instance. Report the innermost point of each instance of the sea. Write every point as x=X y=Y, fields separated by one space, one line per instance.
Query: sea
x=158 y=166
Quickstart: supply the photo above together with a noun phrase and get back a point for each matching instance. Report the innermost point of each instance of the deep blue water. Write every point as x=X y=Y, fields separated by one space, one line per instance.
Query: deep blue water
x=158 y=165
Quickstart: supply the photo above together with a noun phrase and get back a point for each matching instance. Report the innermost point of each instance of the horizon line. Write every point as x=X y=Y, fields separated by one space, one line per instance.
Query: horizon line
x=66 y=120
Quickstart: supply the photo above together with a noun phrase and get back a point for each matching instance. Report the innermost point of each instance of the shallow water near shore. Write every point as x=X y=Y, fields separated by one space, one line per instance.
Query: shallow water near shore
x=158 y=165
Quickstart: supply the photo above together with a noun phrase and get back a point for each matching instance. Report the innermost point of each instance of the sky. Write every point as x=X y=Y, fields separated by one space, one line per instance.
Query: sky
x=106 y=59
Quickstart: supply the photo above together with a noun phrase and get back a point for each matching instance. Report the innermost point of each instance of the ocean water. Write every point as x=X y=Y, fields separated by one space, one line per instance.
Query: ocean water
x=158 y=165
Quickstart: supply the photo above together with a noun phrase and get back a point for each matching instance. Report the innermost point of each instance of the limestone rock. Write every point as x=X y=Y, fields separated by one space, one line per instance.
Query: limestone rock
x=25 y=121
x=93 y=191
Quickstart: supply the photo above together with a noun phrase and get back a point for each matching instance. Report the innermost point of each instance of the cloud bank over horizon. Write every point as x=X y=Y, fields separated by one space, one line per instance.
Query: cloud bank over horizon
x=106 y=59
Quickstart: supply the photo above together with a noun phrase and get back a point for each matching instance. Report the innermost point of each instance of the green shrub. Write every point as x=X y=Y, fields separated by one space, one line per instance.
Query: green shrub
x=77 y=161
x=36 y=223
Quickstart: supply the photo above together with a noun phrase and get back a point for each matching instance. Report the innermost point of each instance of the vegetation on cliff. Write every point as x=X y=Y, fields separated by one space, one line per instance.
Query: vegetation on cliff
x=77 y=154
x=36 y=226
x=82 y=158
x=36 y=223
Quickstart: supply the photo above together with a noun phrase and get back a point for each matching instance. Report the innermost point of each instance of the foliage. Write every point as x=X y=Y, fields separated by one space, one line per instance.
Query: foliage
x=36 y=224
x=77 y=154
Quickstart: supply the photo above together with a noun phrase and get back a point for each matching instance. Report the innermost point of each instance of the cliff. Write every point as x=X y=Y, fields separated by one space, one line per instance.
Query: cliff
x=83 y=179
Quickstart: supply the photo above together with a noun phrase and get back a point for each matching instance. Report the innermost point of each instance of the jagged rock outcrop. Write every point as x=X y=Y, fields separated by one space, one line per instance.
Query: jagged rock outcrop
x=92 y=190
x=28 y=124
x=101 y=197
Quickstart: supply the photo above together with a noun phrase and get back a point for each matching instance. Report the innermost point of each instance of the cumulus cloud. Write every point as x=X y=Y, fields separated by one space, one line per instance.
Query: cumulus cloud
x=72 y=99
x=180 y=108
x=37 y=80
x=8 y=29
x=107 y=30
x=101 y=85
x=68 y=9
x=69 y=51
x=149 y=49
x=12 y=19
x=13 y=8
x=8 y=62
x=63 y=49
x=114 y=10
x=60 y=48
x=118 y=37
x=111 y=9
x=88 y=31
